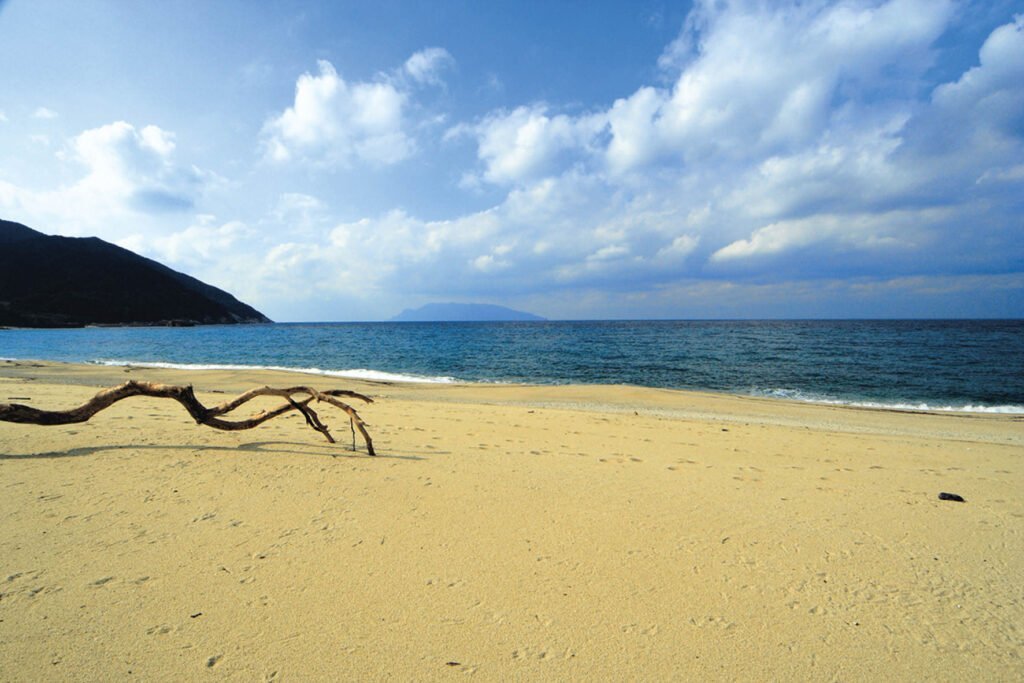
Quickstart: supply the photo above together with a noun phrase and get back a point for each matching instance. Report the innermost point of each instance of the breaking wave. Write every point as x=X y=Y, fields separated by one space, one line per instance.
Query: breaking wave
x=355 y=373
x=808 y=397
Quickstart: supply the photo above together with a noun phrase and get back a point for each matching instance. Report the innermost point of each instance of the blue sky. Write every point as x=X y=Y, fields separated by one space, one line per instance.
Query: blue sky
x=343 y=161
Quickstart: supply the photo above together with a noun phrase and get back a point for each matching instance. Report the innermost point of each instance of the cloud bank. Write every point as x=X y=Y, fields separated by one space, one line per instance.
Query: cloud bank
x=791 y=158
x=795 y=142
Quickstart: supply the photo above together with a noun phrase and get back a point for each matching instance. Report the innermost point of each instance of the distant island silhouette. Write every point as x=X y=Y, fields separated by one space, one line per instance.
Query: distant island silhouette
x=463 y=313
x=52 y=281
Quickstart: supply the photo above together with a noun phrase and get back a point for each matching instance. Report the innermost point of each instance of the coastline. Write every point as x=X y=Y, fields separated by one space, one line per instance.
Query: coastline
x=384 y=377
x=552 y=532
x=942 y=366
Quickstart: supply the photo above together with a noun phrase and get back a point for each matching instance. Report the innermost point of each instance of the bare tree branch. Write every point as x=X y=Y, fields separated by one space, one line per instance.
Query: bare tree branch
x=211 y=417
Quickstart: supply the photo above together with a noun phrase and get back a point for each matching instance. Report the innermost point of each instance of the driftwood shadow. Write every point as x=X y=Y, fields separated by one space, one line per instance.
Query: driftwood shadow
x=277 y=447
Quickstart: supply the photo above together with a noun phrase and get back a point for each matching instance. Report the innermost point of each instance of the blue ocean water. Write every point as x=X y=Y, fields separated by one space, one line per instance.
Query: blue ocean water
x=975 y=365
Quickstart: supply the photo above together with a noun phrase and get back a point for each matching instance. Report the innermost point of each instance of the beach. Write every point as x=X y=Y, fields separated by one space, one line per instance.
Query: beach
x=505 y=532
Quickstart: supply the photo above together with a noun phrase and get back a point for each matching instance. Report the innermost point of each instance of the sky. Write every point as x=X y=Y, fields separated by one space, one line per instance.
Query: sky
x=335 y=161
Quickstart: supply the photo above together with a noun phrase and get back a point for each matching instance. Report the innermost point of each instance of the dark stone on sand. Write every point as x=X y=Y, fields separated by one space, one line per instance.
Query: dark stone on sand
x=951 y=496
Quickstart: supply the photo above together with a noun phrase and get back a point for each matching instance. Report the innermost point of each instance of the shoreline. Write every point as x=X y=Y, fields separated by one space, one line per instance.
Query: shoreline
x=375 y=376
x=591 y=398
x=505 y=531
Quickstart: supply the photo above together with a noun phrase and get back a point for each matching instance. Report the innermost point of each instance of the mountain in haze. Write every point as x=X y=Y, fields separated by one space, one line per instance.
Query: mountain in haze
x=462 y=313
x=51 y=281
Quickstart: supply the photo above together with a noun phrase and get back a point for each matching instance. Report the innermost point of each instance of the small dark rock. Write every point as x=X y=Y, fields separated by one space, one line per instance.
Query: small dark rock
x=452 y=663
x=951 y=496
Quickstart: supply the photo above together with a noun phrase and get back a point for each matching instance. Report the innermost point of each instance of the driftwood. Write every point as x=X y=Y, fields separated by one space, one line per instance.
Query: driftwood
x=298 y=398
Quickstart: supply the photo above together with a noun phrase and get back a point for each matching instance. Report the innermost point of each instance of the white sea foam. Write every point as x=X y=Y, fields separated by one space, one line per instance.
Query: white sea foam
x=355 y=373
x=797 y=395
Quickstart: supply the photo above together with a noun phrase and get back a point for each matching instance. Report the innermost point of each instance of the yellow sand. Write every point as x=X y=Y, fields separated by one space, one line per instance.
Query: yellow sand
x=506 y=533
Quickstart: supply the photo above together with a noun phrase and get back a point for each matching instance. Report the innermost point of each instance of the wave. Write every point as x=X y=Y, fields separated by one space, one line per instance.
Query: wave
x=772 y=393
x=807 y=397
x=355 y=373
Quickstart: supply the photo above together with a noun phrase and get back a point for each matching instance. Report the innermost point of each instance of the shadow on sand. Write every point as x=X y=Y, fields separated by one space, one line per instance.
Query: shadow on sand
x=277 y=447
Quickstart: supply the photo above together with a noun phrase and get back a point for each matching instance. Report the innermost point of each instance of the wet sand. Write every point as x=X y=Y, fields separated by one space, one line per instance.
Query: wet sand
x=505 y=532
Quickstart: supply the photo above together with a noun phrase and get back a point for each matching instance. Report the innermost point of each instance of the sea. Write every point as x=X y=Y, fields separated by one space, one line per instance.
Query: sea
x=956 y=365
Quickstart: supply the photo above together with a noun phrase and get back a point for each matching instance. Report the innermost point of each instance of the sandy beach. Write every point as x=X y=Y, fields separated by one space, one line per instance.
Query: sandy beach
x=505 y=533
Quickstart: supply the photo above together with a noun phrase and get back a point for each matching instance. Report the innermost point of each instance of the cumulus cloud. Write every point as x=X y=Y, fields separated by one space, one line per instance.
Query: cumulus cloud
x=547 y=235
x=527 y=142
x=1001 y=65
x=196 y=248
x=44 y=113
x=336 y=122
x=634 y=138
x=680 y=247
x=136 y=167
x=975 y=122
x=425 y=66
x=858 y=231
x=789 y=128
x=754 y=81
x=124 y=178
x=794 y=144
x=761 y=78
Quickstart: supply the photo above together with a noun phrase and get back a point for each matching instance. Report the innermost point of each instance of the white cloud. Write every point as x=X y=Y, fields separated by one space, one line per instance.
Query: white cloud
x=548 y=234
x=609 y=253
x=135 y=167
x=333 y=121
x=298 y=202
x=680 y=247
x=788 y=128
x=755 y=82
x=199 y=247
x=425 y=66
x=44 y=113
x=1001 y=65
x=490 y=263
x=525 y=143
x=865 y=231
x=131 y=179
x=846 y=169
x=635 y=140
x=1010 y=174
x=3 y=116
x=983 y=108
x=762 y=78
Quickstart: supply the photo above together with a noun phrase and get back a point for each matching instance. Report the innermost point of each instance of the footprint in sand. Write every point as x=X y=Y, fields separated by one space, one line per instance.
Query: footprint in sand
x=542 y=654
